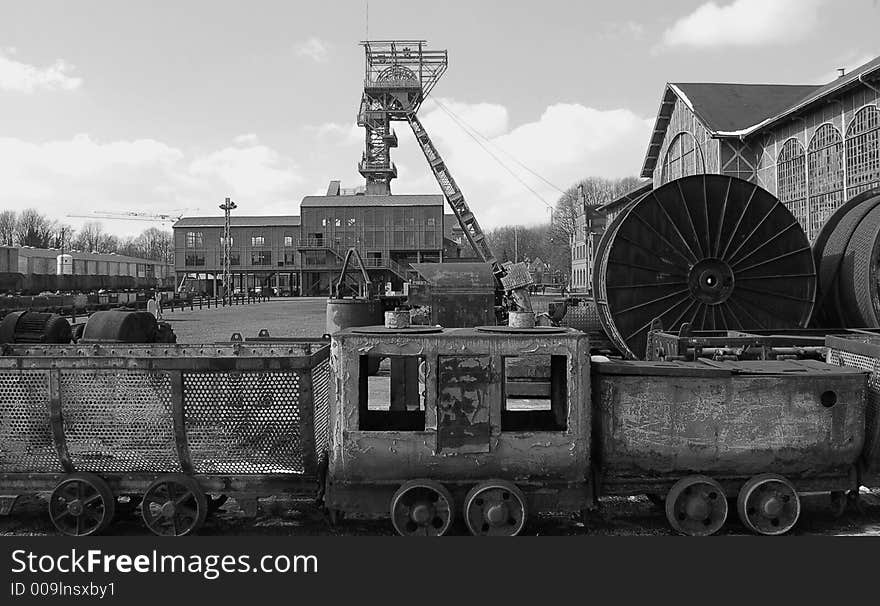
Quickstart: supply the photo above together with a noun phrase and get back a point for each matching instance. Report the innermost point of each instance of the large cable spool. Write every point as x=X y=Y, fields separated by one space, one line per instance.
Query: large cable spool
x=714 y=251
x=847 y=255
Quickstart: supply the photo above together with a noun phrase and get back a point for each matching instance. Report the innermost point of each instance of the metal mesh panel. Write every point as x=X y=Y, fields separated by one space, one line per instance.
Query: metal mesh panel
x=244 y=422
x=791 y=175
x=25 y=433
x=321 y=391
x=583 y=316
x=837 y=357
x=119 y=421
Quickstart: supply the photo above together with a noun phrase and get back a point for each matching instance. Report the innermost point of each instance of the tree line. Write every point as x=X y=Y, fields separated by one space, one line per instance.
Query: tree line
x=551 y=242
x=32 y=228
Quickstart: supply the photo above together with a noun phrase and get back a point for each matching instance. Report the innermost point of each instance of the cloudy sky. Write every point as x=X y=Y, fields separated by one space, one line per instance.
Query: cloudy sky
x=168 y=106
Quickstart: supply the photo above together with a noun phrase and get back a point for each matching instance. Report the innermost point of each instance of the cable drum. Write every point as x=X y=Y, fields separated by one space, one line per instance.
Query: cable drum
x=846 y=255
x=714 y=251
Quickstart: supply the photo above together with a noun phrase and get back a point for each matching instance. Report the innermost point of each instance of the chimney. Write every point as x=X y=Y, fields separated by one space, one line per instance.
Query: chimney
x=841 y=72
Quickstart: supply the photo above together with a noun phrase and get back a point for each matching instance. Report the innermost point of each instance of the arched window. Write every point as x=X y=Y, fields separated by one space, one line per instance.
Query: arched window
x=863 y=151
x=683 y=157
x=791 y=179
x=825 y=175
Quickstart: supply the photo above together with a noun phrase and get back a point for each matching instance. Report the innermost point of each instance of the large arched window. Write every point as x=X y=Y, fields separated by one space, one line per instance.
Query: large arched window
x=791 y=179
x=683 y=157
x=825 y=175
x=863 y=151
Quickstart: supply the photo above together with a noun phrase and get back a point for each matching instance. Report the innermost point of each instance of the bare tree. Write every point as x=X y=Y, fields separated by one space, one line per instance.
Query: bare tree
x=8 y=219
x=89 y=237
x=33 y=229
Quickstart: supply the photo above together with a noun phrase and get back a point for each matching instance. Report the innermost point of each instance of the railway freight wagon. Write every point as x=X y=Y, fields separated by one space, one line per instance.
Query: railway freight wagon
x=490 y=425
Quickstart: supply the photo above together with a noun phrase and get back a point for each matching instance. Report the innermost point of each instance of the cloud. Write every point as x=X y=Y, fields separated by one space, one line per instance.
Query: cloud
x=315 y=49
x=246 y=139
x=81 y=175
x=21 y=77
x=745 y=23
x=335 y=133
x=567 y=142
x=622 y=29
x=849 y=62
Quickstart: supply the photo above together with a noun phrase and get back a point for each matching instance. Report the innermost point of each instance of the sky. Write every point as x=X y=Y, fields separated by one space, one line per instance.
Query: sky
x=168 y=107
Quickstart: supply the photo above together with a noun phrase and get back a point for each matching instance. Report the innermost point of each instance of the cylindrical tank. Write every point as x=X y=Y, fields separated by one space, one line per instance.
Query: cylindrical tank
x=34 y=327
x=121 y=327
x=347 y=313
x=64 y=265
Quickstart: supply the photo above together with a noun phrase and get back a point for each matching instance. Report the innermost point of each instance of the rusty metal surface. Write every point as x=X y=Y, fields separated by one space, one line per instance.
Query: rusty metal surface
x=222 y=410
x=462 y=405
x=750 y=417
x=366 y=467
x=863 y=352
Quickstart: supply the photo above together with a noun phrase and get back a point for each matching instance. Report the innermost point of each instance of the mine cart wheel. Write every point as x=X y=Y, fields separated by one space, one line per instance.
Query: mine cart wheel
x=696 y=506
x=422 y=508
x=495 y=508
x=174 y=505
x=768 y=504
x=82 y=504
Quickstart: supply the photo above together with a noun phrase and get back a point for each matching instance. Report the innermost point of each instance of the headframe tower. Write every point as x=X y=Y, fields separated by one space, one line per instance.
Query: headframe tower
x=398 y=76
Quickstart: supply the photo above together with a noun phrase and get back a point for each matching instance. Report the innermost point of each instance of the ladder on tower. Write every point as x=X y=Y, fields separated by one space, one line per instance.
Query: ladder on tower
x=513 y=277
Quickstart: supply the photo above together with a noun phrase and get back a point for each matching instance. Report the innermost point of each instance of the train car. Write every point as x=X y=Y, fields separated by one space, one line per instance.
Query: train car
x=491 y=425
x=449 y=430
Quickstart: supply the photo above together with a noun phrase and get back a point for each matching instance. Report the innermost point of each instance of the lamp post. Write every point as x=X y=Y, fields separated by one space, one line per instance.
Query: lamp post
x=227 y=207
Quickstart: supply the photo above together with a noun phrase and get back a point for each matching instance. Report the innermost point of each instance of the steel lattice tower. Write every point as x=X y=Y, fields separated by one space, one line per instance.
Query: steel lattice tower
x=398 y=77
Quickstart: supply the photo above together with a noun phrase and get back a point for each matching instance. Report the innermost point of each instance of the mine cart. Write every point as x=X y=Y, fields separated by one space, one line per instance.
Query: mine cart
x=757 y=431
x=166 y=425
x=490 y=422
x=863 y=351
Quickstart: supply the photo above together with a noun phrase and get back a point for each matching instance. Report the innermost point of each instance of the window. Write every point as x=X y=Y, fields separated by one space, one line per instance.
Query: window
x=391 y=393
x=431 y=222
x=234 y=258
x=194 y=239
x=863 y=151
x=535 y=394
x=289 y=258
x=825 y=176
x=791 y=177
x=324 y=222
x=258 y=241
x=288 y=241
x=231 y=241
x=261 y=257
x=195 y=260
x=338 y=223
x=683 y=158
x=351 y=222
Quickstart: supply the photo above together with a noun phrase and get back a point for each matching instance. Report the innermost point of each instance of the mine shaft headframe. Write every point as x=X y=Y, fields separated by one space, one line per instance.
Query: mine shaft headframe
x=404 y=68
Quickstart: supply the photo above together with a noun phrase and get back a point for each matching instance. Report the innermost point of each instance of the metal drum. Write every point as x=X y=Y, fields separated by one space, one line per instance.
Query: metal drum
x=713 y=251
x=348 y=313
x=847 y=256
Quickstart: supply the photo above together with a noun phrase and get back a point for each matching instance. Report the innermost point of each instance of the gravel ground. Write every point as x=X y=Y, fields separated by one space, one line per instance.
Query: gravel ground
x=304 y=317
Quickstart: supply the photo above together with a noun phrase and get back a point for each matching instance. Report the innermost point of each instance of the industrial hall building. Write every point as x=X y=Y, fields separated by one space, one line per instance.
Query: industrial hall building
x=813 y=146
x=303 y=255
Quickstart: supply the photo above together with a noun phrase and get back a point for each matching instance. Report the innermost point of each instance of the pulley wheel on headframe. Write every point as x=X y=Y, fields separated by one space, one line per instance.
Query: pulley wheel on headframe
x=715 y=251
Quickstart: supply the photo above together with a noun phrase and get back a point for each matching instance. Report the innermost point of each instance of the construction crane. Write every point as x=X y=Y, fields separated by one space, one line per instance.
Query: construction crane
x=399 y=76
x=129 y=216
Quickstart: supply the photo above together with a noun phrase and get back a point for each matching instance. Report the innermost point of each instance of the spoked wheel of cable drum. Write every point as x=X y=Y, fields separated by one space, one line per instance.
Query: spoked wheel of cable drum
x=836 y=289
x=714 y=251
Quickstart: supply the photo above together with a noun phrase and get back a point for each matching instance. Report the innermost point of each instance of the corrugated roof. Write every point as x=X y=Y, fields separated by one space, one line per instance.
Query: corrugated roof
x=376 y=200
x=267 y=221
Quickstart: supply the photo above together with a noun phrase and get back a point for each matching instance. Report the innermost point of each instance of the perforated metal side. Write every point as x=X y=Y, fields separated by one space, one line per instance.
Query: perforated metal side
x=244 y=422
x=25 y=434
x=119 y=421
x=321 y=390
x=871 y=453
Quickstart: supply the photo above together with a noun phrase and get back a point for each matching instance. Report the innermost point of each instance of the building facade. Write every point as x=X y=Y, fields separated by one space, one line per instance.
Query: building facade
x=814 y=147
x=264 y=254
x=303 y=255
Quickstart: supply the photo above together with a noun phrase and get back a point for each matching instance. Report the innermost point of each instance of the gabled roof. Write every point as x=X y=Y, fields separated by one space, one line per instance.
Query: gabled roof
x=374 y=200
x=234 y=221
x=742 y=110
